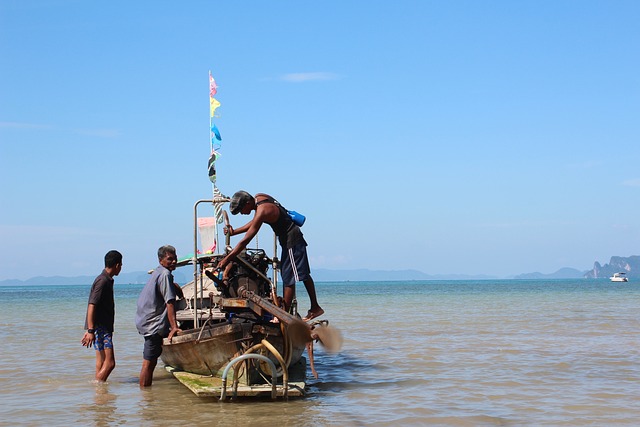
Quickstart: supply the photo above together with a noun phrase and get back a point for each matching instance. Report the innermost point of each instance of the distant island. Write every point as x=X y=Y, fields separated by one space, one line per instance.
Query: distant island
x=563 y=273
x=617 y=264
x=629 y=265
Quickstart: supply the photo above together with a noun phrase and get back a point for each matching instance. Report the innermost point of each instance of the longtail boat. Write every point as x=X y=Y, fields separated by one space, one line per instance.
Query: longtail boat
x=231 y=321
x=234 y=325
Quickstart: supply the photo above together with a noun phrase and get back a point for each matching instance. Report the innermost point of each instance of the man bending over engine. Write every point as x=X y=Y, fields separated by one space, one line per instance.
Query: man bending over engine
x=294 y=262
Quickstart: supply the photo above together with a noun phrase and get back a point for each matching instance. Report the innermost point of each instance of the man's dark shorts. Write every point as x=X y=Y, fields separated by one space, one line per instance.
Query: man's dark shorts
x=295 y=265
x=152 y=347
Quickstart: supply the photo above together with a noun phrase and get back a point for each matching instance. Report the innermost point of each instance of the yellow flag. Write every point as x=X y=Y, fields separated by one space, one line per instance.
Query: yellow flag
x=214 y=104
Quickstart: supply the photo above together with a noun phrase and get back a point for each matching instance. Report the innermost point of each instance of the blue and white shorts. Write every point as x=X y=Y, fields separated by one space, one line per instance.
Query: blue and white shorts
x=104 y=339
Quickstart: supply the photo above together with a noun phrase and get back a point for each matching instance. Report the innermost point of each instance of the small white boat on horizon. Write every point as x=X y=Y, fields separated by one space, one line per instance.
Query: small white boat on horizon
x=619 y=277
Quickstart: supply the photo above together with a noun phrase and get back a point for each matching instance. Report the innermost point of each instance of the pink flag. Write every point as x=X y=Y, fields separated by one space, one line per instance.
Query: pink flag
x=213 y=87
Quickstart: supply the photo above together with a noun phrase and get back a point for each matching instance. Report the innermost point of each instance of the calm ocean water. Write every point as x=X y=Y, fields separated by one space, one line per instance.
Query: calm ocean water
x=455 y=353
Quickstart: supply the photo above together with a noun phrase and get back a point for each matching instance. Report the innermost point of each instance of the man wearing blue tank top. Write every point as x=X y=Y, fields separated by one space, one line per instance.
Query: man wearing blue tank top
x=294 y=261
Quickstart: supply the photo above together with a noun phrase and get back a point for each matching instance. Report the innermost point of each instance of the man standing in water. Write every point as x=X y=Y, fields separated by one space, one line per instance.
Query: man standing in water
x=101 y=312
x=295 y=265
x=156 y=313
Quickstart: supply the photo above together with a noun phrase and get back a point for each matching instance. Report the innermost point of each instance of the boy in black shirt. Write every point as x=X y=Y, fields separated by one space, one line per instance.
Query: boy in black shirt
x=101 y=316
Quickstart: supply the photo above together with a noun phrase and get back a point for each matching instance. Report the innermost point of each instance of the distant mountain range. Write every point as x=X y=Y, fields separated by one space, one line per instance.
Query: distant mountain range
x=319 y=275
x=136 y=277
x=322 y=275
x=563 y=273
x=629 y=265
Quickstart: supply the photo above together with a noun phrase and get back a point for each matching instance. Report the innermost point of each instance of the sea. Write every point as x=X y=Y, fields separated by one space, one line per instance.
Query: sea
x=423 y=353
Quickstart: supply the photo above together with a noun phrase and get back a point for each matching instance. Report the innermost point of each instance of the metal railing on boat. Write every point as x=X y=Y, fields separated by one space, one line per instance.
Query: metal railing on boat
x=272 y=366
x=198 y=277
x=250 y=355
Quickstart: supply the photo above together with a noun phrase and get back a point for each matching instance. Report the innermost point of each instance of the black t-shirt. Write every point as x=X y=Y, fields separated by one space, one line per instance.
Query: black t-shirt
x=102 y=297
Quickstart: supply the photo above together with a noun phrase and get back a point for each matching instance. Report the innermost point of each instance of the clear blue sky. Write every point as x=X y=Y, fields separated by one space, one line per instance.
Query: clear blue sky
x=473 y=137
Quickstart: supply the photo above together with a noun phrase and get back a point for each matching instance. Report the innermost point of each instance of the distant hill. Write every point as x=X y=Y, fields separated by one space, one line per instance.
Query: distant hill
x=323 y=275
x=617 y=264
x=630 y=265
x=563 y=273
x=319 y=275
x=138 y=277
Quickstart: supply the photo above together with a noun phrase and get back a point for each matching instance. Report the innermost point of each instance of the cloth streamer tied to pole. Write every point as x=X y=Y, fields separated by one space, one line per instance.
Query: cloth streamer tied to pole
x=216 y=140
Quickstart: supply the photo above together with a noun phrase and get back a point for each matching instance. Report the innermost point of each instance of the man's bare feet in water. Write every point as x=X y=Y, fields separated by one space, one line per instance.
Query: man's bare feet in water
x=313 y=313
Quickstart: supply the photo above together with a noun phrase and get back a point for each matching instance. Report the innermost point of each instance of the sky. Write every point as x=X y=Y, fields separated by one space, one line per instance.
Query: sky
x=450 y=137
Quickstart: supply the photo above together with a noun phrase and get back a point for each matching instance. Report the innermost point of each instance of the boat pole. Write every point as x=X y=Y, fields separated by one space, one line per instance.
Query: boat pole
x=196 y=322
x=274 y=284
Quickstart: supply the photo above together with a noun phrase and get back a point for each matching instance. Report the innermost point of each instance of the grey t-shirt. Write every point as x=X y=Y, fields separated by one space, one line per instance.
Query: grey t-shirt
x=151 y=315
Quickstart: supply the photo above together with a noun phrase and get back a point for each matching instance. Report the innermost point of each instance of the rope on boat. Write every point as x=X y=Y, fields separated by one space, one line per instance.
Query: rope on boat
x=208 y=319
x=202 y=330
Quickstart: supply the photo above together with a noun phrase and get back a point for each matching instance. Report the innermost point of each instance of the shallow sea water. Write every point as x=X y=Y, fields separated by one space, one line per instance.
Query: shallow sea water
x=448 y=353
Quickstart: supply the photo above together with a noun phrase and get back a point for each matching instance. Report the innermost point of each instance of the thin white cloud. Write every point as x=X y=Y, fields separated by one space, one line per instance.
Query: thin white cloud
x=308 y=77
x=632 y=182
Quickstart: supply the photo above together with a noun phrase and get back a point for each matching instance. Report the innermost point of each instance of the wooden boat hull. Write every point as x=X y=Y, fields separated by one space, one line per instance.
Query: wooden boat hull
x=204 y=353
x=208 y=350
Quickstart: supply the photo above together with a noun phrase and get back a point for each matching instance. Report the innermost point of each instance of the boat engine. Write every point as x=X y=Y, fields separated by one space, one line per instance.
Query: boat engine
x=242 y=278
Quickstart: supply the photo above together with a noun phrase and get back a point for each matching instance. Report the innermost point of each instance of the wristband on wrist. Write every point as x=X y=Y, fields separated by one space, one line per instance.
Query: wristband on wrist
x=91 y=331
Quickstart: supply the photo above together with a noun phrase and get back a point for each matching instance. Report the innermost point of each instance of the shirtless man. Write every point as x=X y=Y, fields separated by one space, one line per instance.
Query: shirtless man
x=294 y=262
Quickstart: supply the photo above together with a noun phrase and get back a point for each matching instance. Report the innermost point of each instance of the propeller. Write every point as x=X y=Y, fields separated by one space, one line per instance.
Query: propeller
x=329 y=337
x=300 y=331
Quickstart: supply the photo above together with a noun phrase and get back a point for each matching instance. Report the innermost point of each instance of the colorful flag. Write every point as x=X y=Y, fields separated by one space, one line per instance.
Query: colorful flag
x=215 y=133
x=217 y=206
x=206 y=227
x=213 y=87
x=212 y=168
x=214 y=104
x=218 y=198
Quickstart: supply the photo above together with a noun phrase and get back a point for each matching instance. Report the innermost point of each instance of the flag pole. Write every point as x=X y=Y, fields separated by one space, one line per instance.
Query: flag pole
x=218 y=197
x=211 y=150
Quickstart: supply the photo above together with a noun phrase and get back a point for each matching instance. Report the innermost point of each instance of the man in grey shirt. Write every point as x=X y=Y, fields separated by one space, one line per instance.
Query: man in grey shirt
x=156 y=313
